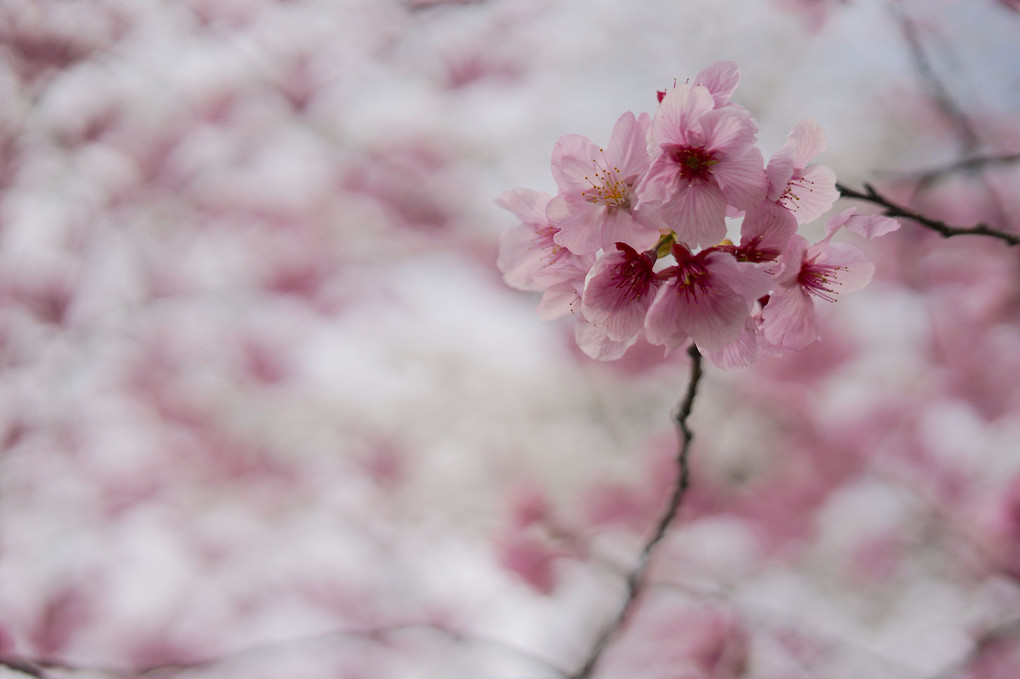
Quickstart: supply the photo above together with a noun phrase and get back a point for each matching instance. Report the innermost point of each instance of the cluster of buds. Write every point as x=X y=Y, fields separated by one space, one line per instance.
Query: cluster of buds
x=635 y=241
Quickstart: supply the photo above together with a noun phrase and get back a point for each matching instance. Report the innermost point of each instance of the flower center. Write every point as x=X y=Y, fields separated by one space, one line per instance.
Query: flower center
x=695 y=164
x=634 y=275
x=820 y=281
x=789 y=198
x=691 y=274
x=607 y=188
x=544 y=243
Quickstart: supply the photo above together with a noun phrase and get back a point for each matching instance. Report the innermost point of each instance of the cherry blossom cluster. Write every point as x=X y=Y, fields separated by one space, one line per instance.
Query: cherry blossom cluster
x=635 y=241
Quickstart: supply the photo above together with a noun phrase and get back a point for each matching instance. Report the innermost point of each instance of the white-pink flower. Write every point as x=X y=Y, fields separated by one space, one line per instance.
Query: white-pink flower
x=707 y=297
x=527 y=250
x=764 y=233
x=706 y=159
x=596 y=207
x=807 y=190
x=619 y=291
x=565 y=285
x=823 y=270
x=530 y=259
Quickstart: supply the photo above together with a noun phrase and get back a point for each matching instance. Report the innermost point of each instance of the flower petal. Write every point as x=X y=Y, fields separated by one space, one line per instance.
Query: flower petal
x=788 y=320
x=579 y=223
x=808 y=140
x=742 y=179
x=619 y=291
x=697 y=214
x=594 y=342
x=721 y=79
x=573 y=162
x=810 y=193
x=678 y=113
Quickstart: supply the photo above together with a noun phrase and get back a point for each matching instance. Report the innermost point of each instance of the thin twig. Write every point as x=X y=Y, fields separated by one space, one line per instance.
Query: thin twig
x=23 y=666
x=635 y=580
x=966 y=165
x=946 y=231
x=965 y=131
x=36 y=667
x=1004 y=630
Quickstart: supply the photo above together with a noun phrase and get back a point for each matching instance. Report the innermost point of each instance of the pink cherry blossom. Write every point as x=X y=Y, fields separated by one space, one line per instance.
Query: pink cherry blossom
x=807 y=190
x=530 y=259
x=527 y=250
x=764 y=233
x=707 y=297
x=822 y=270
x=620 y=290
x=597 y=207
x=564 y=286
x=706 y=161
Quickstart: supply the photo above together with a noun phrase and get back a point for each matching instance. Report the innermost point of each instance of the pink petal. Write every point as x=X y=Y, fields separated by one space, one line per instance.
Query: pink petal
x=520 y=257
x=559 y=300
x=767 y=228
x=811 y=193
x=741 y=352
x=526 y=249
x=679 y=111
x=714 y=321
x=838 y=221
x=872 y=226
x=728 y=131
x=659 y=183
x=808 y=140
x=662 y=325
x=852 y=269
x=621 y=227
x=697 y=214
x=792 y=261
x=628 y=145
x=579 y=223
x=779 y=171
x=594 y=342
x=618 y=293
x=525 y=204
x=721 y=79
x=745 y=280
x=788 y=320
x=869 y=226
x=573 y=161
x=742 y=179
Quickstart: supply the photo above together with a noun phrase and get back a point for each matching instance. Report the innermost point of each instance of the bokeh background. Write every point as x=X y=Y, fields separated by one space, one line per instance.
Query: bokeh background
x=267 y=408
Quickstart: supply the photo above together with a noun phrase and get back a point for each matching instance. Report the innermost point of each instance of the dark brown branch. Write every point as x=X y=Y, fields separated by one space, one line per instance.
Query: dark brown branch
x=636 y=579
x=946 y=231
